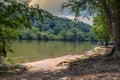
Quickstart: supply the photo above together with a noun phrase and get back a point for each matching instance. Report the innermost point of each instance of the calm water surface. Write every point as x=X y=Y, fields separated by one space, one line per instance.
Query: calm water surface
x=26 y=51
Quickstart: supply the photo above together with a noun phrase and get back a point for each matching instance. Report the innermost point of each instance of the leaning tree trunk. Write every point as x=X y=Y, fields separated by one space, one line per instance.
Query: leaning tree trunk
x=113 y=18
x=117 y=30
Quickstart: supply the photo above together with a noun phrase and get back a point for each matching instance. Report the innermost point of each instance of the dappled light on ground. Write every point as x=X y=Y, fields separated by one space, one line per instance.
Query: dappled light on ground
x=87 y=67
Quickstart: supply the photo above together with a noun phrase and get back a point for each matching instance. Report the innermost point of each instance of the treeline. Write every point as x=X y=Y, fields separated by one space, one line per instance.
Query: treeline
x=57 y=28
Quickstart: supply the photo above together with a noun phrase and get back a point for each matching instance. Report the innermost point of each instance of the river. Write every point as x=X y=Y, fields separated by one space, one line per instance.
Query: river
x=26 y=51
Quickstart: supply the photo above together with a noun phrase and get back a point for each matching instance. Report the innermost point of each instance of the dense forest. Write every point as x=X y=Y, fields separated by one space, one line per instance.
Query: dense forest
x=56 y=28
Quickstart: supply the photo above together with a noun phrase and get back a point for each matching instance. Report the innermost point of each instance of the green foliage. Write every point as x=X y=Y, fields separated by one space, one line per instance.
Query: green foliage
x=57 y=28
x=13 y=17
x=100 y=28
x=9 y=61
x=83 y=8
x=104 y=12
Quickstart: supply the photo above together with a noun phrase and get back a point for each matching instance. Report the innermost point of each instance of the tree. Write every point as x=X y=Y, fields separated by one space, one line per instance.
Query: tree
x=100 y=29
x=111 y=10
x=57 y=28
x=13 y=17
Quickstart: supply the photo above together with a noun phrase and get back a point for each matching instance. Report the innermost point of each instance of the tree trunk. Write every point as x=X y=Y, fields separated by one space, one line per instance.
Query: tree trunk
x=117 y=30
x=113 y=18
x=4 y=52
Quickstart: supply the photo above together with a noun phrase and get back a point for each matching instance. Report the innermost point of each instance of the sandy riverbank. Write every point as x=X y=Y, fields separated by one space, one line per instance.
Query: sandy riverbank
x=91 y=68
x=50 y=64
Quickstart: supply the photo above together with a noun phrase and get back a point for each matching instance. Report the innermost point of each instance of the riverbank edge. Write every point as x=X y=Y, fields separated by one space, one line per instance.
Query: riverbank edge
x=52 y=69
x=51 y=64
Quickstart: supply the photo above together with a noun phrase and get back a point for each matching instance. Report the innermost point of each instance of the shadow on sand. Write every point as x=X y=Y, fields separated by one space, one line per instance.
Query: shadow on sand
x=93 y=68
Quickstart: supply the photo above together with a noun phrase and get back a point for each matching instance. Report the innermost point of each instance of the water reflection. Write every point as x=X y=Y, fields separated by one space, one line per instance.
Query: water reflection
x=25 y=51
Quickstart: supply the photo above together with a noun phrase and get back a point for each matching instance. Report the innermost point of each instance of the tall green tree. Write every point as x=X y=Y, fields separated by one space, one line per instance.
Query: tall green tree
x=13 y=17
x=100 y=28
x=111 y=10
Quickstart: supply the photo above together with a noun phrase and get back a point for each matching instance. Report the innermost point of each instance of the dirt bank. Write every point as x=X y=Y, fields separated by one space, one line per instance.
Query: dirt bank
x=50 y=64
x=90 y=66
